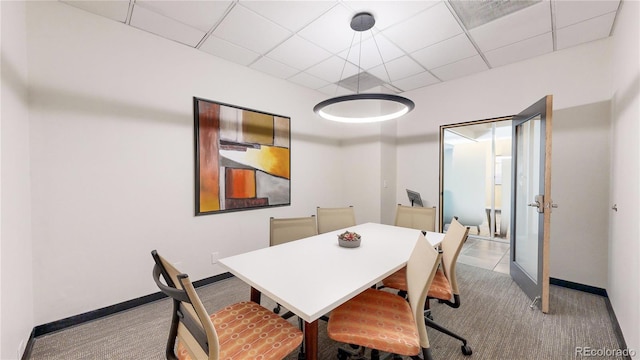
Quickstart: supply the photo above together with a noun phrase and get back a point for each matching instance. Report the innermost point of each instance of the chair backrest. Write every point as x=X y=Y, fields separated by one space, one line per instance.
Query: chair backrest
x=420 y=218
x=282 y=230
x=451 y=245
x=190 y=322
x=421 y=269
x=330 y=219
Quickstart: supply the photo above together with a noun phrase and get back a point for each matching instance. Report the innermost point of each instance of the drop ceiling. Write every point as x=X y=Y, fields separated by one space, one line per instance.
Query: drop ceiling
x=421 y=43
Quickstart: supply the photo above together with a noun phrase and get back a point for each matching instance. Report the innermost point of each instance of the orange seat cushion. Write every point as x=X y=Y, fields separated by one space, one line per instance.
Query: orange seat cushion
x=397 y=280
x=440 y=287
x=247 y=330
x=378 y=320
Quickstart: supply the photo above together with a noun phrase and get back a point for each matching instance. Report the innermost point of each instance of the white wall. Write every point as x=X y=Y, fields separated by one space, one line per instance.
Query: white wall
x=624 y=241
x=580 y=183
x=16 y=301
x=388 y=170
x=505 y=91
x=112 y=158
x=361 y=168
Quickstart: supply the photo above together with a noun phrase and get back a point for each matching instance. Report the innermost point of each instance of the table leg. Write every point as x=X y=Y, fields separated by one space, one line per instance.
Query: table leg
x=311 y=340
x=255 y=295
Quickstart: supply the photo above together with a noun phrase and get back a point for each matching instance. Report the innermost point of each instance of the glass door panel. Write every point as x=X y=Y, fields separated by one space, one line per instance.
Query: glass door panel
x=527 y=188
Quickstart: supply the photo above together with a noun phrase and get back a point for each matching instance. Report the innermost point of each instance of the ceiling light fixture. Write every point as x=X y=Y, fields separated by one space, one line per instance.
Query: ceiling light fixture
x=366 y=107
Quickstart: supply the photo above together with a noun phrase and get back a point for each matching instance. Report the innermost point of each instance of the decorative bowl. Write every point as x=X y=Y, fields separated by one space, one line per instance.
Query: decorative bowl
x=349 y=239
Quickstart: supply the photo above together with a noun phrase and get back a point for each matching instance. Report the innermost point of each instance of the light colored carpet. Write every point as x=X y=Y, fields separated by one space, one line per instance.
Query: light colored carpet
x=494 y=317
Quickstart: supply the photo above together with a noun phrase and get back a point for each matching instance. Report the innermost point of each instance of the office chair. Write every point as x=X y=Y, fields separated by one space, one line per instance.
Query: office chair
x=330 y=219
x=282 y=230
x=445 y=285
x=243 y=330
x=386 y=322
x=420 y=218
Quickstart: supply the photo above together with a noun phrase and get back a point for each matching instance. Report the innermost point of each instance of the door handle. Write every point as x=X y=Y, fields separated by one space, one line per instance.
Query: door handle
x=538 y=203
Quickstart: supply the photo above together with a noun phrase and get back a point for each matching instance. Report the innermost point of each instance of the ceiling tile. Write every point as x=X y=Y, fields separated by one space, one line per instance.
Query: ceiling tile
x=399 y=68
x=426 y=28
x=292 y=15
x=571 y=12
x=476 y=13
x=307 y=80
x=273 y=68
x=535 y=46
x=460 y=68
x=333 y=69
x=445 y=52
x=201 y=15
x=388 y=13
x=334 y=90
x=529 y=22
x=416 y=81
x=226 y=50
x=298 y=53
x=331 y=31
x=250 y=30
x=150 y=21
x=114 y=9
x=582 y=32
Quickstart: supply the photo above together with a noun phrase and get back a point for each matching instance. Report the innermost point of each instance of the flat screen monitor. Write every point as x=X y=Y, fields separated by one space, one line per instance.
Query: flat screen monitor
x=414 y=197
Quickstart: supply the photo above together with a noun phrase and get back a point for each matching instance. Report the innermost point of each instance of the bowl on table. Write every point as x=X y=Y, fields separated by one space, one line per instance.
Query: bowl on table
x=349 y=239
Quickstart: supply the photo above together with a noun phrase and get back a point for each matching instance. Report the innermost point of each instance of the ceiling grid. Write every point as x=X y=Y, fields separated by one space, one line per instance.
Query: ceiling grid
x=421 y=42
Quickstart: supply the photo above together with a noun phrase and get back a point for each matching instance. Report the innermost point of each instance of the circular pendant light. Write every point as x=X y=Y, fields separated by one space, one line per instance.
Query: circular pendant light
x=364 y=107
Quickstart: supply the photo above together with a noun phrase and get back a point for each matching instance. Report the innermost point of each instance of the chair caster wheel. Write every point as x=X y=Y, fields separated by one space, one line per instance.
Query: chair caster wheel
x=301 y=356
x=466 y=350
x=343 y=355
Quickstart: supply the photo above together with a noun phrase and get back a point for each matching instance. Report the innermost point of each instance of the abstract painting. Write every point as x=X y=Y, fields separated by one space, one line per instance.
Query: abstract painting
x=242 y=158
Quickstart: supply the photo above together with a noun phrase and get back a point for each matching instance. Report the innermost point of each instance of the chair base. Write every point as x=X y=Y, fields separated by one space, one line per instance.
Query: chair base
x=355 y=352
x=466 y=349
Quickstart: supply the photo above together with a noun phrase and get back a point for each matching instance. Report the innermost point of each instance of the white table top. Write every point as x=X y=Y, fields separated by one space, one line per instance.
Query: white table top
x=312 y=276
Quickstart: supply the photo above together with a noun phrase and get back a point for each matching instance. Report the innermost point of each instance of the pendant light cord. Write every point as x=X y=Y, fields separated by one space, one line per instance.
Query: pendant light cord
x=344 y=66
x=381 y=58
x=359 y=68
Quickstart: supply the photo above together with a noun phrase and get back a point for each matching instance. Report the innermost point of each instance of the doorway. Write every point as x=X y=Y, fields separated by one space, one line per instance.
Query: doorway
x=476 y=177
x=476 y=188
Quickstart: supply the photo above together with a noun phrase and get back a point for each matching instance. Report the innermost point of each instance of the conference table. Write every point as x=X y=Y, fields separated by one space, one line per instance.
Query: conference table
x=312 y=276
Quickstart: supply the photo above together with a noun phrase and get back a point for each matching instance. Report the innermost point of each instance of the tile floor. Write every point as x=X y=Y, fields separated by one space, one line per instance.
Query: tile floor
x=487 y=254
